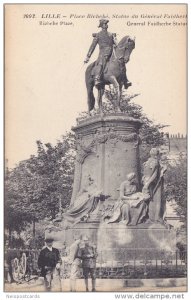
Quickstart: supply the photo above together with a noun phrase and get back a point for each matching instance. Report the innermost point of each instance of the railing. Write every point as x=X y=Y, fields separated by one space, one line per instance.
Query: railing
x=21 y=265
x=134 y=263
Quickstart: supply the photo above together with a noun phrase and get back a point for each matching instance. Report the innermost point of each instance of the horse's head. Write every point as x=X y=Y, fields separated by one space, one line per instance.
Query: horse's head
x=125 y=47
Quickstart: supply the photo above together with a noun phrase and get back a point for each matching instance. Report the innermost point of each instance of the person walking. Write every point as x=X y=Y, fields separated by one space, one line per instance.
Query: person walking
x=49 y=261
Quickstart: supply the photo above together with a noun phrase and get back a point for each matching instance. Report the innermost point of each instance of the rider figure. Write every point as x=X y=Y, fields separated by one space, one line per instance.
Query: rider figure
x=106 y=41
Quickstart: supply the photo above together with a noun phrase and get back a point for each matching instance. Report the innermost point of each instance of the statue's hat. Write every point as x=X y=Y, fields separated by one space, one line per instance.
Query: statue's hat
x=102 y=21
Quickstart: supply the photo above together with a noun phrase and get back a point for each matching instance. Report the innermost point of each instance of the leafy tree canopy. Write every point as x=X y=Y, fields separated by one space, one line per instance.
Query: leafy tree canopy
x=38 y=185
x=176 y=187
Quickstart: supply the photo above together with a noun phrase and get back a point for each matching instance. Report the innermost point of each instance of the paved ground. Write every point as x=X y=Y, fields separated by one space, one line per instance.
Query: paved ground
x=103 y=285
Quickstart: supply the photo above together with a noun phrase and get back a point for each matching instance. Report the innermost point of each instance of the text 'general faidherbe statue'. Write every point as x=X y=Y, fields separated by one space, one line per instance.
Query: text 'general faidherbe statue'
x=110 y=67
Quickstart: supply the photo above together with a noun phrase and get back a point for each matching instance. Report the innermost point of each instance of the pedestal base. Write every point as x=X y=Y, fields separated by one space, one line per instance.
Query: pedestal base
x=116 y=242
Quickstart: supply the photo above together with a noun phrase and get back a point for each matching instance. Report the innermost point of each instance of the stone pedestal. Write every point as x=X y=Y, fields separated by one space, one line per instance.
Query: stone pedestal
x=107 y=150
x=134 y=242
x=116 y=242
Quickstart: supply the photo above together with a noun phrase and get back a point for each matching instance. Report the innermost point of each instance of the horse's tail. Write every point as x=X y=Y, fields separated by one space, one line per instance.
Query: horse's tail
x=89 y=86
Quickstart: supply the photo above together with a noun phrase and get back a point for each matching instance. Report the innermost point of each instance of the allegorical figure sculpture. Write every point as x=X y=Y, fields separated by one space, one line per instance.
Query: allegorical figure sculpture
x=109 y=68
x=153 y=184
x=148 y=206
x=86 y=202
x=131 y=207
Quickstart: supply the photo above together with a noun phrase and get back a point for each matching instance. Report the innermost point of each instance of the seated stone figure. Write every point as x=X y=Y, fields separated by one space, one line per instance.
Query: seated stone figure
x=131 y=208
x=86 y=202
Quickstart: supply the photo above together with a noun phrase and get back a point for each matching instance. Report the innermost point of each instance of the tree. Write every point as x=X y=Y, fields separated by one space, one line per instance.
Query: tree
x=150 y=133
x=176 y=187
x=37 y=187
x=16 y=217
x=55 y=166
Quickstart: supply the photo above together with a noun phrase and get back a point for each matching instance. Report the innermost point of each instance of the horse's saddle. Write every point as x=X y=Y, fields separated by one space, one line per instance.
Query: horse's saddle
x=96 y=68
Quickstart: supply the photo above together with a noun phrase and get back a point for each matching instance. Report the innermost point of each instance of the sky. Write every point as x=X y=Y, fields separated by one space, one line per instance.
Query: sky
x=44 y=71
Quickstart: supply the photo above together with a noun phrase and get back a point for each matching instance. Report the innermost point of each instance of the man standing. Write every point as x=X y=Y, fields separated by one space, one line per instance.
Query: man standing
x=88 y=255
x=9 y=256
x=106 y=42
x=75 y=262
x=49 y=262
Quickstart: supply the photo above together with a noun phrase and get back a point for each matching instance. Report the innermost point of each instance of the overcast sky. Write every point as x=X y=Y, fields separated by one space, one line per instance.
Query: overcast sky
x=45 y=87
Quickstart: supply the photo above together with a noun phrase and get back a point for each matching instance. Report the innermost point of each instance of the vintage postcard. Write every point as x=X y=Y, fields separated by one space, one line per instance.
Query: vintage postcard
x=95 y=148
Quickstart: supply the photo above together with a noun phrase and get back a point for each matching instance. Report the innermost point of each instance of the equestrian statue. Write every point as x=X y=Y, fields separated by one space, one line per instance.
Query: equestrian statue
x=110 y=67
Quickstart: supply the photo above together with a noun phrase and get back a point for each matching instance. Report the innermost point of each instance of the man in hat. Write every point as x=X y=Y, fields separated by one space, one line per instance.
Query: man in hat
x=49 y=261
x=106 y=42
x=88 y=256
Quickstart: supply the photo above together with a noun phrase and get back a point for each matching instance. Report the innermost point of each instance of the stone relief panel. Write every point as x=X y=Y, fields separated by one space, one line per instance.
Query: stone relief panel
x=120 y=159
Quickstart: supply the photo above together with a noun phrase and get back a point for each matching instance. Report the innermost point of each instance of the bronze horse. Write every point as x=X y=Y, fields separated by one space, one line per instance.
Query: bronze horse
x=113 y=73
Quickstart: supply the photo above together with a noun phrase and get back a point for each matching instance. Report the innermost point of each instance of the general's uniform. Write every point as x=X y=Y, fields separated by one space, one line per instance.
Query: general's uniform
x=106 y=41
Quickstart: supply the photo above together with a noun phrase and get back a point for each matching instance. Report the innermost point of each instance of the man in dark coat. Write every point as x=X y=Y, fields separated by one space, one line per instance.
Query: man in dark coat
x=49 y=261
x=88 y=255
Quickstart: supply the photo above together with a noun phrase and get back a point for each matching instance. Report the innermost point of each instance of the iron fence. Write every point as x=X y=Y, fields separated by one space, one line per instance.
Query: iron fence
x=123 y=263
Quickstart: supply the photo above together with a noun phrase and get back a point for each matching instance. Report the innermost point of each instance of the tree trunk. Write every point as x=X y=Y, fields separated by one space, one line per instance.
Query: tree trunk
x=10 y=236
x=34 y=229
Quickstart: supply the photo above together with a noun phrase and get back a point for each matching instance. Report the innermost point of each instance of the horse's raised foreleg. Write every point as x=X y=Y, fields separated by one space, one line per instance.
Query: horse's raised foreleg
x=116 y=85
